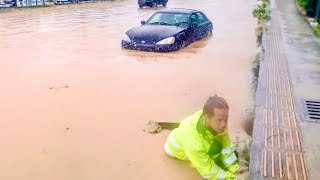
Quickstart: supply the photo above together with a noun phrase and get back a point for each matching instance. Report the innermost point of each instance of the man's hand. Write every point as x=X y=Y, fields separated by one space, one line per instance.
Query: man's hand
x=242 y=170
x=243 y=173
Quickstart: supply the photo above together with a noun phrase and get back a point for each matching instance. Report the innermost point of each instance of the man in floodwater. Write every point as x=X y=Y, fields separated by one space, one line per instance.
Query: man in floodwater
x=203 y=139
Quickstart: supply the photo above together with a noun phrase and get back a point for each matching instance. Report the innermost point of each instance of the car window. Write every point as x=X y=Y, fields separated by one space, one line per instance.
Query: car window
x=154 y=18
x=194 y=19
x=201 y=18
x=173 y=19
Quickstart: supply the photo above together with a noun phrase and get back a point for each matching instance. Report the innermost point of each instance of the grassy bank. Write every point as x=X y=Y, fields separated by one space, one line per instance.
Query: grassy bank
x=302 y=7
x=302 y=4
x=262 y=13
x=317 y=29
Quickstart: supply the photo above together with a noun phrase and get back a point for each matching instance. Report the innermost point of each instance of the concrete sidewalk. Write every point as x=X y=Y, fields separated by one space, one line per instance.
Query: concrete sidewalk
x=285 y=143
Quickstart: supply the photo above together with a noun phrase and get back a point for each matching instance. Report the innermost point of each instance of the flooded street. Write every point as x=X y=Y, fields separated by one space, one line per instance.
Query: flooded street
x=74 y=104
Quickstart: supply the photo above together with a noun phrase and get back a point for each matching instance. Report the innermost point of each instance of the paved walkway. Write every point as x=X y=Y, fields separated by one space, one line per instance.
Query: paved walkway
x=278 y=150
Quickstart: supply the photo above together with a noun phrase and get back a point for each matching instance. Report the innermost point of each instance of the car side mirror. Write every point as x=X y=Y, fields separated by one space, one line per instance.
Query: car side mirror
x=143 y=22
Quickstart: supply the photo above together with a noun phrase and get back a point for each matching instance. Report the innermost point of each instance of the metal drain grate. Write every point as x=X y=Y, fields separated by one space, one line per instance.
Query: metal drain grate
x=312 y=110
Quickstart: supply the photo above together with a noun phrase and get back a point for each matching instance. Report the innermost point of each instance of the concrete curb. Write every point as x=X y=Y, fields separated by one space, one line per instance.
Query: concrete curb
x=257 y=144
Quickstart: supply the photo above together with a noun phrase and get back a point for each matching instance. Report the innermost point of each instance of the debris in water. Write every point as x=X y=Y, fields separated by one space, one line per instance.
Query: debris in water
x=156 y=127
x=59 y=87
x=153 y=127
x=243 y=149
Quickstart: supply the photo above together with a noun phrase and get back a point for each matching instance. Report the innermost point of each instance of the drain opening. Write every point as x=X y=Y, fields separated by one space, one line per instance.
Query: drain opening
x=316 y=118
x=312 y=110
x=317 y=102
x=312 y=114
x=316 y=105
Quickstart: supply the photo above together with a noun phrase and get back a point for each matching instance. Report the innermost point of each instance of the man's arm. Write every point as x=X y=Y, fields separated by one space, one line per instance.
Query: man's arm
x=206 y=166
x=228 y=156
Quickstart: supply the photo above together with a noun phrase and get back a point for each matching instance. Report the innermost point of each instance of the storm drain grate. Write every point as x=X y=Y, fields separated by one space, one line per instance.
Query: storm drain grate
x=312 y=110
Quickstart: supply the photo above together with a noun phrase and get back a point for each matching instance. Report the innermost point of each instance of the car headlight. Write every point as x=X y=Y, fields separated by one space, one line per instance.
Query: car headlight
x=125 y=37
x=169 y=40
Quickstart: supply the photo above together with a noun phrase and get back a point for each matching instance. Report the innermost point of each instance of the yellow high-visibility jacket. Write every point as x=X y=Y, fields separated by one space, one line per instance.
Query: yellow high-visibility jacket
x=210 y=153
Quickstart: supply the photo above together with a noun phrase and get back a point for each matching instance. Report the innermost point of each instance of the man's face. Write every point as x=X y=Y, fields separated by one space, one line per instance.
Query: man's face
x=219 y=121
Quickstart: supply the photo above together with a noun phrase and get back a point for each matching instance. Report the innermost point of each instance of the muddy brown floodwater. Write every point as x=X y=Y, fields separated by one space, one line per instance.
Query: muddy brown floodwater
x=74 y=104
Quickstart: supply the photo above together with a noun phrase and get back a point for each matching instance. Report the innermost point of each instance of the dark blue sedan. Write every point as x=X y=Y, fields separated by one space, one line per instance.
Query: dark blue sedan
x=168 y=30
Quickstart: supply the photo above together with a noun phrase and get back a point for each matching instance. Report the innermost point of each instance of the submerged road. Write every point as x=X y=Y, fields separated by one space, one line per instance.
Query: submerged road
x=73 y=103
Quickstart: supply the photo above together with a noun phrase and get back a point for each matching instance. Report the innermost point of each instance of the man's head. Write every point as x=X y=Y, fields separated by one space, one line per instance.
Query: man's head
x=216 y=113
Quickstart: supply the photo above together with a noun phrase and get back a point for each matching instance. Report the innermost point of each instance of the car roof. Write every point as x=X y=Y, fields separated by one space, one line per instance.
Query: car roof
x=179 y=10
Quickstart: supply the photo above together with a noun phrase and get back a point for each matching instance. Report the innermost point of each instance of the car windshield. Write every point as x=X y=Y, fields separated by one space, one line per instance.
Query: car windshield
x=170 y=19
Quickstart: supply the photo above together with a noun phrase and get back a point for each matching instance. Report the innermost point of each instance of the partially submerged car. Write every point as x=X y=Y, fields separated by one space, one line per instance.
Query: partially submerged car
x=152 y=3
x=168 y=30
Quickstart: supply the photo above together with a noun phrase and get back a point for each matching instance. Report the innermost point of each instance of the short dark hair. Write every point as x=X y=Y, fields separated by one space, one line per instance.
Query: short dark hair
x=214 y=102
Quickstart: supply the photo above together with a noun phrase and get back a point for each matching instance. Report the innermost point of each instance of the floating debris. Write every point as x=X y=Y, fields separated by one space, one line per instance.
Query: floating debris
x=59 y=87
x=156 y=127
x=153 y=127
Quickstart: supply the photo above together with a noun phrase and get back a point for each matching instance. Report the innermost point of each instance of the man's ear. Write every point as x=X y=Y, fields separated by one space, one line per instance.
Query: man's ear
x=205 y=117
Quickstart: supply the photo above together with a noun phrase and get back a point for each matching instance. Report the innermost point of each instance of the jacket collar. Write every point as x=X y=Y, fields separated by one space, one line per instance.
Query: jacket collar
x=205 y=131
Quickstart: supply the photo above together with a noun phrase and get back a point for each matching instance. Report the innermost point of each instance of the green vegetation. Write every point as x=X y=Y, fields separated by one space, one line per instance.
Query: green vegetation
x=302 y=3
x=302 y=6
x=317 y=30
x=261 y=12
x=255 y=71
